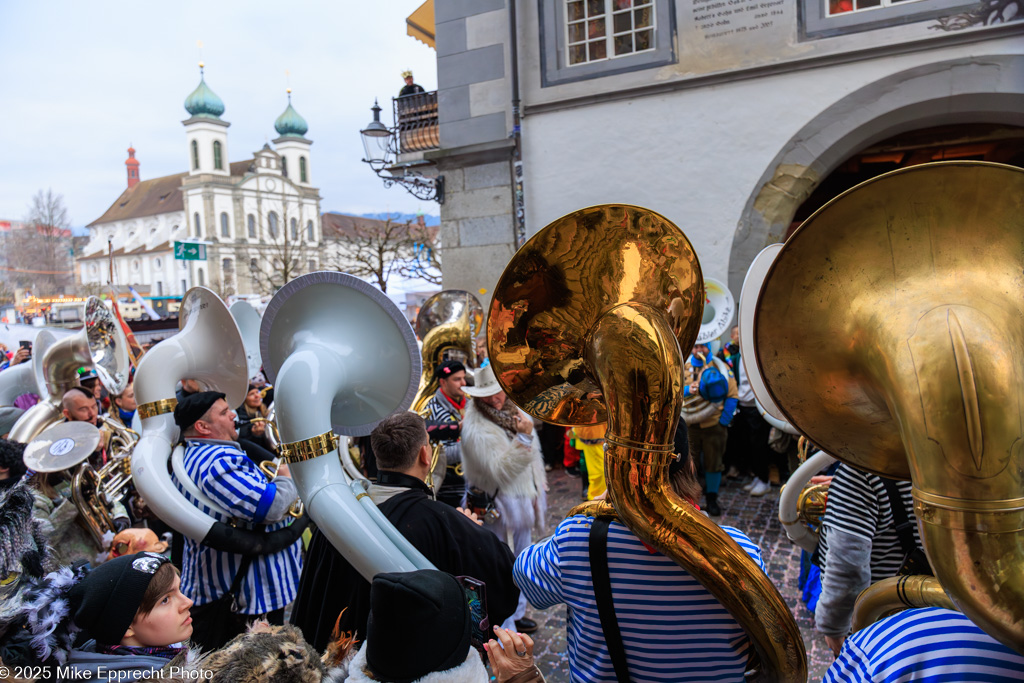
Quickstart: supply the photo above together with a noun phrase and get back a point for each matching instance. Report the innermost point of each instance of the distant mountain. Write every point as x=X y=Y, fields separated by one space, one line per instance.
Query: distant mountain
x=403 y=217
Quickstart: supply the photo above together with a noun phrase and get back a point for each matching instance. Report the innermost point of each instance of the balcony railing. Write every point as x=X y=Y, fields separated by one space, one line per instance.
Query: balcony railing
x=416 y=122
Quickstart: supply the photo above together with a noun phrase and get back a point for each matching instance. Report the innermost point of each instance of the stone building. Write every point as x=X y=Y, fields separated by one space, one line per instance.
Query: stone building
x=732 y=118
x=256 y=221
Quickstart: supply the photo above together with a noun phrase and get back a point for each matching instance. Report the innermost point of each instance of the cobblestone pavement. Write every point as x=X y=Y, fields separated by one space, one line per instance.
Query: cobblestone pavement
x=757 y=517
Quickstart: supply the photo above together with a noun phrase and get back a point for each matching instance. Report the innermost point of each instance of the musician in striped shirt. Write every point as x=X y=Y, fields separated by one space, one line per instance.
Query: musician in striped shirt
x=672 y=628
x=859 y=545
x=924 y=644
x=220 y=470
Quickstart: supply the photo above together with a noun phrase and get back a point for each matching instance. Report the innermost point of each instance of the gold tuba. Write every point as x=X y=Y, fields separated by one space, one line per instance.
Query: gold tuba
x=447 y=324
x=903 y=296
x=589 y=324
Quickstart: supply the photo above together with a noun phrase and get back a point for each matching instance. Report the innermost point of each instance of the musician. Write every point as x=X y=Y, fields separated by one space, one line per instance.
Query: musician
x=79 y=406
x=504 y=469
x=671 y=627
x=251 y=408
x=445 y=410
x=449 y=538
x=861 y=543
x=122 y=407
x=220 y=469
x=708 y=410
x=917 y=644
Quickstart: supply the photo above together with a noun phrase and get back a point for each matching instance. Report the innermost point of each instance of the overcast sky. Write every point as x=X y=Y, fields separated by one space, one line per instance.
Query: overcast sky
x=83 y=80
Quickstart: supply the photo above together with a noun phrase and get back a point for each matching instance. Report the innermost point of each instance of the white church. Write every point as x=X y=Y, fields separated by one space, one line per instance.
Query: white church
x=256 y=221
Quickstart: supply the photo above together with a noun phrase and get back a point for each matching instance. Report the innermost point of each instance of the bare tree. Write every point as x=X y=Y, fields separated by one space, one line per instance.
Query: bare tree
x=425 y=262
x=372 y=249
x=39 y=255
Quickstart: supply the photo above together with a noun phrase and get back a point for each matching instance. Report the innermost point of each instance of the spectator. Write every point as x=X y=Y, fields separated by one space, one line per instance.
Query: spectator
x=410 y=88
x=135 y=616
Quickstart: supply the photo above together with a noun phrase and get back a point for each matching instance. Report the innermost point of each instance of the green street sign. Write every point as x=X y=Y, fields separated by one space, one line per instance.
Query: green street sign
x=189 y=251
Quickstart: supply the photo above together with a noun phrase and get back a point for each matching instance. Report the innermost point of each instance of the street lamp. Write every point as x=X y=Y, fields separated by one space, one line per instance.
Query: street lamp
x=380 y=145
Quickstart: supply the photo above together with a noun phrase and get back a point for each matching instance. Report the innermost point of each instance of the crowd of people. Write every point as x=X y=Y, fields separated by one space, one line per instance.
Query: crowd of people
x=296 y=608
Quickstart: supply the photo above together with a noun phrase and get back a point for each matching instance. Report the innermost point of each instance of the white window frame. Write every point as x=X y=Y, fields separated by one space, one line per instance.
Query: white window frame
x=609 y=31
x=883 y=4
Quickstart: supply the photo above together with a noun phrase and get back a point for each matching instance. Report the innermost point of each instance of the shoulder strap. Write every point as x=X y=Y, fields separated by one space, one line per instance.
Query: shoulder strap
x=603 y=593
x=904 y=527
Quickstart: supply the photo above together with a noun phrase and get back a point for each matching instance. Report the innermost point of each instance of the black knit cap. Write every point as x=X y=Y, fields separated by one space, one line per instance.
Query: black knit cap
x=426 y=612
x=104 y=603
x=192 y=408
x=448 y=368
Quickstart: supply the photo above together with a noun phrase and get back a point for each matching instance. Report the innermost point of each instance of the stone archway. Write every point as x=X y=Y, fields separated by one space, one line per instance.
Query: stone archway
x=980 y=89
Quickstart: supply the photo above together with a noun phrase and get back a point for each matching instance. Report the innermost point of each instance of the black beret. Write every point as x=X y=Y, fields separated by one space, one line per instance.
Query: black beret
x=448 y=368
x=194 y=406
x=104 y=603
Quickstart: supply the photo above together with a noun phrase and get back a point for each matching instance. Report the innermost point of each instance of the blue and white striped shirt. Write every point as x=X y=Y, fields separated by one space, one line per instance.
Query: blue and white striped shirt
x=929 y=644
x=673 y=629
x=226 y=475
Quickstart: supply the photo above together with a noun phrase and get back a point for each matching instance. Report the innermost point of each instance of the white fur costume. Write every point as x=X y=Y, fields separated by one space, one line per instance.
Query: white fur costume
x=493 y=462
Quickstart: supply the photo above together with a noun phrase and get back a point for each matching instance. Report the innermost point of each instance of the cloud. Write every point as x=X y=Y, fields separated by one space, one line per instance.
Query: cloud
x=82 y=81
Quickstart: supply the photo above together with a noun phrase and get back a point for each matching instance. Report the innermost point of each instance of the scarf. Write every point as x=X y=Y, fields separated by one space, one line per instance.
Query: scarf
x=460 y=405
x=167 y=652
x=504 y=418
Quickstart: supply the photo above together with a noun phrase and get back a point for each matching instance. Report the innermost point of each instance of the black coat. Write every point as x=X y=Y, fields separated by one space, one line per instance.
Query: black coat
x=449 y=539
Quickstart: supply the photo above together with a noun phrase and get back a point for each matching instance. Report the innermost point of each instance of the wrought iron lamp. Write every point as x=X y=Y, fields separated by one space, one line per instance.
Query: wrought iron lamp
x=379 y=142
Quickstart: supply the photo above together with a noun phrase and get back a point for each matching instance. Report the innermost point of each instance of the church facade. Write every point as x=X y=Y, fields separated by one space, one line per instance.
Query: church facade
x=254 y=224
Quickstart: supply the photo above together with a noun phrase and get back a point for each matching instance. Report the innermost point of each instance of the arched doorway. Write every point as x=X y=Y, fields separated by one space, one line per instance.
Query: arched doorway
x=931 y=104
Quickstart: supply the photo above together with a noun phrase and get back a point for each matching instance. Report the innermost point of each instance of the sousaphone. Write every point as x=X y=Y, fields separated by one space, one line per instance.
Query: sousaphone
x=890 y=330
x=447 y=324
x=589 y=324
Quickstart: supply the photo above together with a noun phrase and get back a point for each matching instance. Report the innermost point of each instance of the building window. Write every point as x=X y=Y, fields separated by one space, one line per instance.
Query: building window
x=303 y=175
x=284 y=166
x=309 y=231
x=254 y=266
x=136 y=265
x=195 y=155
x=311 y=265
x=272 y=224
x=603 y=29
x=217 y=163
x=159 y=289
x=93 y=269
x=295 y=230
x=225 y=229
x=250 y=222
x=184 y=286
x=828 y=18
x=174 y=229
x=198 y=226
x=159 y=263
x=228 y=267
x=202 y=278
x=583 y=39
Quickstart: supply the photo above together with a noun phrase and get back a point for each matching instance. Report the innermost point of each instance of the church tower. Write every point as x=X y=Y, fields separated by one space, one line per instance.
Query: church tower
x=293 y=146
x=205 y=133
x=132 y=165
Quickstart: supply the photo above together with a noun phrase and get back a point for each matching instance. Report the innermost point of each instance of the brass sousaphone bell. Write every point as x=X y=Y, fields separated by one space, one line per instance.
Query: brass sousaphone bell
x=447 y=324
x=589 y=323
x=890 y=331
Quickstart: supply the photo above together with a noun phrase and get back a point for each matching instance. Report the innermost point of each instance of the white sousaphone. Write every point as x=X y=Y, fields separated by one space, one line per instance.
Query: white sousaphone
x=341 y=357
x=101 y=344
x=789 y=515
x=248 y=321
x=209 y=349
x=719 y=309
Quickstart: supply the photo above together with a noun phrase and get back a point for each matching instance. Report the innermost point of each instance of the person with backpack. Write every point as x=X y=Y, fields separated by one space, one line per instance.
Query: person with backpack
x=710 y=399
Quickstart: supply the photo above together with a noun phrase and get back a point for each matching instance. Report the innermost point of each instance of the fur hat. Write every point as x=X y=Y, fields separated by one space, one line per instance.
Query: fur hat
x=422 y=615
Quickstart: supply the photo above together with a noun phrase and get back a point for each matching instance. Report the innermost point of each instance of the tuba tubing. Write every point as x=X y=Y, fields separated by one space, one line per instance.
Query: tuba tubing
x=641 y=425
x=21 y=379
x=361 y=490
x=898 y=593
x=789 y=516
x=305 y=388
